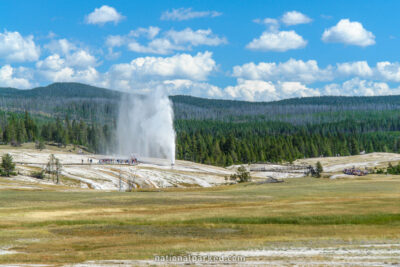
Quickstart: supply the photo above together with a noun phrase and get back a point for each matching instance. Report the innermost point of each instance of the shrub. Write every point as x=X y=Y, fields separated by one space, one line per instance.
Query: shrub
x=317 y=170
x=393 y=169
x=380 y=171
x=241 y=175
x=38 y=174
x=15 y=143
x=40 y=145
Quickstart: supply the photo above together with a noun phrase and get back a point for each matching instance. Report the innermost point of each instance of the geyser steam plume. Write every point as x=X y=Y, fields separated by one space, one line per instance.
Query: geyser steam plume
x=145 y=126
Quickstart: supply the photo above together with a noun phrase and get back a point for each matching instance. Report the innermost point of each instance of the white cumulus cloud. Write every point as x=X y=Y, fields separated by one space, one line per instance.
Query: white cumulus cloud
x=81 y=58
x=194 y=88
x=103 y=15
x=350 y=33
x=359 y=87
x=291 y=70
x=294 y=18
x=258 y=90
x=195 y=38
x=160 y=46
x=251 y=90
x=55 y=68
x=72 y=54
x=357 y=68
x=8 y=78
x=196 y=67
x=150 y=32
x=67 y=62
x=53 y=62
x=308 y=72
x=296 y=89
x=149 y=72
x=293 y=78
x=277 y=41
x=187 y=13
x=16 y=48
x=149 y=40
x=389 y=71
x=60 y=46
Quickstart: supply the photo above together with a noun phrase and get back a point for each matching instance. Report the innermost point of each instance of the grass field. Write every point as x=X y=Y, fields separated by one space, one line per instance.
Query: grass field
x=56 y=227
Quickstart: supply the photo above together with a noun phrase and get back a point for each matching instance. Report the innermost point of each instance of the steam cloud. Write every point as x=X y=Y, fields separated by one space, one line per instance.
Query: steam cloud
x=145 y=126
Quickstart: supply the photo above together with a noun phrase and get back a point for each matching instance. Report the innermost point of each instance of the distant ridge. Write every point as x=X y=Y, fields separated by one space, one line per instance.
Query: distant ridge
x=80 y=90
x=314 y=100
x=61 y=90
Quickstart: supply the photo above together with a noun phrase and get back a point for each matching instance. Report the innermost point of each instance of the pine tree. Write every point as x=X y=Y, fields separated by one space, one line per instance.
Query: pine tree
x=7 y=165
x=354 y=147
x=319 y=169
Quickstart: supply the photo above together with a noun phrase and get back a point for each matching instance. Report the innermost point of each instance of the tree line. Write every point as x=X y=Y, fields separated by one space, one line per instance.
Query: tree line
x=16 y=128
x=222 y=143
x=219 y=142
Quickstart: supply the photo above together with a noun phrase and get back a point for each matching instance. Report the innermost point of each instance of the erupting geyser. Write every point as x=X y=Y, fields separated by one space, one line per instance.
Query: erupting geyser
x=145 y=126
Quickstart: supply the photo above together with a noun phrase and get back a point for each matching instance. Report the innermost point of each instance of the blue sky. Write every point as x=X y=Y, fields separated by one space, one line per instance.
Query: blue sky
x=250 y=50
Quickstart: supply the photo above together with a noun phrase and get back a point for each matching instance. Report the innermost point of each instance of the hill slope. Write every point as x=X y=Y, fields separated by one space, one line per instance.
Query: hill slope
x=93 y=103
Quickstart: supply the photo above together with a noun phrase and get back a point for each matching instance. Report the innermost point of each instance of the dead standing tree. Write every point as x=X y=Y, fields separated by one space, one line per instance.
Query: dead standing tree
x=54 y=168
x=50 y=167
x=58 y=170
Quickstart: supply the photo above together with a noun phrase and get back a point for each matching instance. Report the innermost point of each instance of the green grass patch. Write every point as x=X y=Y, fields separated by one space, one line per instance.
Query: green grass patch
x=368 y=219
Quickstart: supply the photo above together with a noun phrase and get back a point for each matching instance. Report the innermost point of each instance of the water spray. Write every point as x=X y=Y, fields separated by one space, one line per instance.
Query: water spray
x=145 y=126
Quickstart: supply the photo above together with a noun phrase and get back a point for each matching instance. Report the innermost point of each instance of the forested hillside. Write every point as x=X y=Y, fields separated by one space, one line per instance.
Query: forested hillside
x=220 y=132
